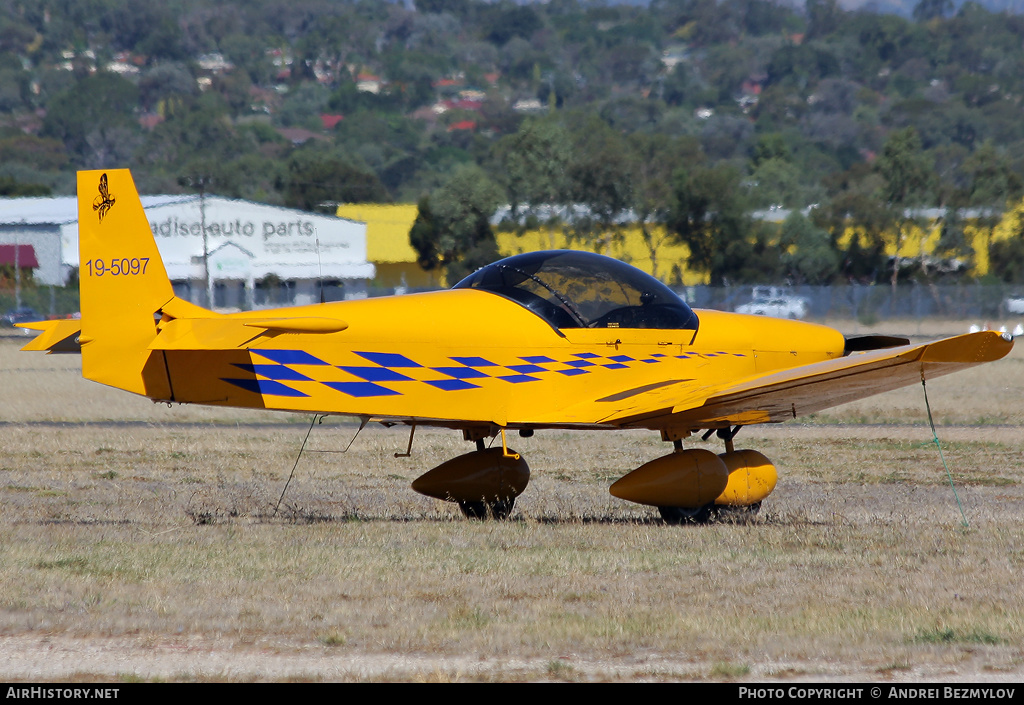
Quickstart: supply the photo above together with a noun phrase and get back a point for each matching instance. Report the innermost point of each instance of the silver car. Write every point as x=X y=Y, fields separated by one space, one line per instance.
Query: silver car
x=779 y=307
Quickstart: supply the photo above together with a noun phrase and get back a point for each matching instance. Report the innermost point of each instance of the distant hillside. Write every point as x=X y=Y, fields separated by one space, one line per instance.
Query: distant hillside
x=896 y=7
x=906 y=7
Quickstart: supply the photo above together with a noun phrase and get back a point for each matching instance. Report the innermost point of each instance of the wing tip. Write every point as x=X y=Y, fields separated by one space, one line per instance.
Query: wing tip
x=970 y=348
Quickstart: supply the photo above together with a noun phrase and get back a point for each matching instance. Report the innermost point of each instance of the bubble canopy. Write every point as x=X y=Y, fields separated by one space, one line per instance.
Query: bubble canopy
x=572 y=289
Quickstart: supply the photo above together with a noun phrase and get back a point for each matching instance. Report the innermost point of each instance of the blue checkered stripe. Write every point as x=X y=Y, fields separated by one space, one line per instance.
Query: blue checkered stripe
x=389 y=374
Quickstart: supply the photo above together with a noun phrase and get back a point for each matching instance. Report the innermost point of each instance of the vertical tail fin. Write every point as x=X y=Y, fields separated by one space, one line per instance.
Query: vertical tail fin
x=123 y=284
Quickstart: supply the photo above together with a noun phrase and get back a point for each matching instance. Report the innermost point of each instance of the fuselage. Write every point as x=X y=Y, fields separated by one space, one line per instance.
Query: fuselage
x=465 y=357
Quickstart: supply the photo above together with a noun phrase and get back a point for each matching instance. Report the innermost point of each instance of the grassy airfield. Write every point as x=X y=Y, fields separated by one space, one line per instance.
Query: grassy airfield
x=140 y=542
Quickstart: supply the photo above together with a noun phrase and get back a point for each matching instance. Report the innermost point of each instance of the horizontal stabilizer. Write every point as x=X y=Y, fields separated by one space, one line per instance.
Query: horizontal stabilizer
x=55 y=336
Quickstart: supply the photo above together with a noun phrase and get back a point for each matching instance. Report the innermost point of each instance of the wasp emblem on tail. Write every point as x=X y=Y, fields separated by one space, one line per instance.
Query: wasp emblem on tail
x=104 y=202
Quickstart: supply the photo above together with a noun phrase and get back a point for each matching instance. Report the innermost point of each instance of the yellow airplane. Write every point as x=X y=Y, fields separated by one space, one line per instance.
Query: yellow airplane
x=562 y=339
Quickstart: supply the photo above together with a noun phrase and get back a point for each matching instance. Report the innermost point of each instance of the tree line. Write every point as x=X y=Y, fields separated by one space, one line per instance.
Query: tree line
x=686 y=115
x=574 y=175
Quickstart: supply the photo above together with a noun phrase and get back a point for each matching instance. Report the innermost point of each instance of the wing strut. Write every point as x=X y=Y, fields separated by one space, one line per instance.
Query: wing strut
x=726 y=434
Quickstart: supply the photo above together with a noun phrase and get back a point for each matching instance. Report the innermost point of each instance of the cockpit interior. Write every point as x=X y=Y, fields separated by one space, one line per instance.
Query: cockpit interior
x=571 y=289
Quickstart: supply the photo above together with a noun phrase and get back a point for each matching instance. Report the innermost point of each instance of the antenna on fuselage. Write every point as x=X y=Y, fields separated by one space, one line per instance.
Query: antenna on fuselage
x=320 y=267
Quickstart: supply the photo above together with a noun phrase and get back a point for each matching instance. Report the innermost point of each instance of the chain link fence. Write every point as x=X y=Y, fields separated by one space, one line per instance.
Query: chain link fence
x=871 y=303
x=865 y=303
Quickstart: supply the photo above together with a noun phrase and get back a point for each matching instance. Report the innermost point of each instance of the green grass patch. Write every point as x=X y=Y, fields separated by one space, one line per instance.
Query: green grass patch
x=954 y=636
x=729 y=671
x=129 y=678
x=988 y=481
x=333 y=639
x=560 y=670
x=464 y=618
x=75 y=565
x=895 y=666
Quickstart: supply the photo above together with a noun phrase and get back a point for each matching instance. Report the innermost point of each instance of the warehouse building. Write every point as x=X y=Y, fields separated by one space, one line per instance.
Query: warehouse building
x=257 y=255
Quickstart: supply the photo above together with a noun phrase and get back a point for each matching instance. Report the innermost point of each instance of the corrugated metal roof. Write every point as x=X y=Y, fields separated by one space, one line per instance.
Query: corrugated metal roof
x=61 y=210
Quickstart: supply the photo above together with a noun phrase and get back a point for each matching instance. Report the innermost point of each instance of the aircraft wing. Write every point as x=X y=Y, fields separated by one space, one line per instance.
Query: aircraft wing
x=783 y=395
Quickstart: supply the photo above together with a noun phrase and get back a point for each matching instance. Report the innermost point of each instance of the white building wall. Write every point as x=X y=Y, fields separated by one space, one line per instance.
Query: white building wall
x=289 y=244
x=245 y=241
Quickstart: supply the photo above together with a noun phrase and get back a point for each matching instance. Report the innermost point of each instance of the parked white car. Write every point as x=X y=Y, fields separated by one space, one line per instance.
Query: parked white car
x=779 y=307
x=1014 y=304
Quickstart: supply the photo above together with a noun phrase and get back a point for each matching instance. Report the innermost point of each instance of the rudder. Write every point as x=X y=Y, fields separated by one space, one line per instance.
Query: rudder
x=122 y=283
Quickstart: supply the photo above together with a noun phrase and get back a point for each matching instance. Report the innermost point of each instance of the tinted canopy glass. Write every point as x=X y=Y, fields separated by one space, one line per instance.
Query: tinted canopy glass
x=572 y=289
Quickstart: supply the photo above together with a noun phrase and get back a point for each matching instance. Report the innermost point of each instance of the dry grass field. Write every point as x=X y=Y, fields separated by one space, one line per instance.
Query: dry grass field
x=140 y=542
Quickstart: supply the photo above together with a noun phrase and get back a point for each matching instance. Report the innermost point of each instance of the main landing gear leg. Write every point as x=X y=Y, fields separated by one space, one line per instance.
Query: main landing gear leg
x=484 y=483
x=696 y=486
x=497 y=509
x=684 y=515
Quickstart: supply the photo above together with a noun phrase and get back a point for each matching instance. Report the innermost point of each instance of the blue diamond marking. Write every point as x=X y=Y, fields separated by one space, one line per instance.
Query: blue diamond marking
x=573 y=372
x=377 y=374
x=289 y=357
x=388 y=359
x=658 y=355
x=650 y=360
x=452 y=385
x=524 y=369
x=278 y=372
x=516 y=379
x=536 y=358
x=587 y=355
x=266 y=387
x=461 y=372
x=579 y=363
x=474 y=362
x=616 y=366
x=362 y=389
x=621 y=358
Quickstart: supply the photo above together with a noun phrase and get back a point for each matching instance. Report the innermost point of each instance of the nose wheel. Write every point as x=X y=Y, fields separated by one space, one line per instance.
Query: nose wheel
x=484 y=483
